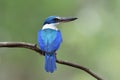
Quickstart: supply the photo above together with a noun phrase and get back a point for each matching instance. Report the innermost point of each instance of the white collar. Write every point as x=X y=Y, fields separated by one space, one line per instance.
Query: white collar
x=50 y=26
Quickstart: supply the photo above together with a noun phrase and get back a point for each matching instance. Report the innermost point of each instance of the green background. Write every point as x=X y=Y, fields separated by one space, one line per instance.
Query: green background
x=92 y=41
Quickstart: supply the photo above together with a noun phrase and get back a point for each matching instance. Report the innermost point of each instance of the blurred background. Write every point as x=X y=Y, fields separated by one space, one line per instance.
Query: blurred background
x=92 y=41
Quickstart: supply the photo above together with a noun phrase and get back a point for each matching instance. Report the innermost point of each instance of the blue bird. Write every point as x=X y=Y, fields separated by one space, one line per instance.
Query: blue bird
x=49 y=40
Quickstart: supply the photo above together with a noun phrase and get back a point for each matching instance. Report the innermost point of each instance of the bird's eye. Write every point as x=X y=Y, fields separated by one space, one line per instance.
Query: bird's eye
x=56 y=19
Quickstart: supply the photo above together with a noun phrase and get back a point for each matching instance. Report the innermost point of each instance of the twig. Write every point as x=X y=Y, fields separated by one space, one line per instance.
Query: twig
x=35 y=48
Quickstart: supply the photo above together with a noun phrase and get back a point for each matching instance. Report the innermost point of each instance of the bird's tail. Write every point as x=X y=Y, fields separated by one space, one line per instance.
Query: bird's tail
x=50 y=62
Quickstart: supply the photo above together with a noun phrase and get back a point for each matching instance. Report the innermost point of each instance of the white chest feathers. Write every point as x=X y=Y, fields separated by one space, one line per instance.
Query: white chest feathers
x=50 y=26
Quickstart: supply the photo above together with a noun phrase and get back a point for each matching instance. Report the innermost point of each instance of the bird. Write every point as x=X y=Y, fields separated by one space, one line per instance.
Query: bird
x=49 y=40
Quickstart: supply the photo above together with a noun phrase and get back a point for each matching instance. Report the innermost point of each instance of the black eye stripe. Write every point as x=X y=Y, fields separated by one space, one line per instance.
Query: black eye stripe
x=56 y=19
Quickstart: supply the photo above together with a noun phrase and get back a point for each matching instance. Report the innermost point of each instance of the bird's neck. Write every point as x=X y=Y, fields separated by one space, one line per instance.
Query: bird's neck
x=50 y=26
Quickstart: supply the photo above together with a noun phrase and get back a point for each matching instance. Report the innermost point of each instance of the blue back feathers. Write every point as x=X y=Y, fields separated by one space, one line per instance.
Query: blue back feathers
x=49 y=40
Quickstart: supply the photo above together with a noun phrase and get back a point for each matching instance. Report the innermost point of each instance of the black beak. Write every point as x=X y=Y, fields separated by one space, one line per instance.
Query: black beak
x=67 y=19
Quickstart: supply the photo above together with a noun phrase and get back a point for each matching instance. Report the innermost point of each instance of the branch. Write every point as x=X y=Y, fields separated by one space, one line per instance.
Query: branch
x=36 y=49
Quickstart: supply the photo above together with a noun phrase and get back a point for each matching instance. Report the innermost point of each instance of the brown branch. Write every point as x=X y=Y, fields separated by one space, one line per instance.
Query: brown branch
x=35 y=48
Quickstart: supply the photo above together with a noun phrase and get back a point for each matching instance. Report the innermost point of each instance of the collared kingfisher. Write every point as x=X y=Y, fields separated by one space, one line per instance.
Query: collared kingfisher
x=49 y=40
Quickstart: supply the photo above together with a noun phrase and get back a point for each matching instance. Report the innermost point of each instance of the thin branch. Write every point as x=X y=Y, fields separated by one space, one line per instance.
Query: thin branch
x=35 y=48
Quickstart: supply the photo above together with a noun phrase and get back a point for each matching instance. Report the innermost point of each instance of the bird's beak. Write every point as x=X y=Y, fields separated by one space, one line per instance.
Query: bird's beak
x=67 y=19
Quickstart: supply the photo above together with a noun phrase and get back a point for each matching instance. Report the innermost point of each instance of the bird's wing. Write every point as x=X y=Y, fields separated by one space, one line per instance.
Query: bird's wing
x=57 y=41
x=49 y=40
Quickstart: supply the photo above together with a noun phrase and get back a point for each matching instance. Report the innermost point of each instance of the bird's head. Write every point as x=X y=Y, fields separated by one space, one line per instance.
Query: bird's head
x=57 y=19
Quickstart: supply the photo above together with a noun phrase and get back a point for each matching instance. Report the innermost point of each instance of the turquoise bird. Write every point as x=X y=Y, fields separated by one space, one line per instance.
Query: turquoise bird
x=49 y=40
